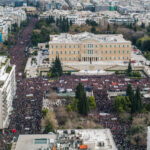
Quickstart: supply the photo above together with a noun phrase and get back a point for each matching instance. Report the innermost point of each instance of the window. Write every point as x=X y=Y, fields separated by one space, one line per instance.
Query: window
x=52 y=52
x=101 y=45
x=69 y=52
x=101 y=52
x=110 y=58
x=65 y=46
x=123 y=58
x=60 y=46
x=78 y=52
x=96 y=46
x=56 y=46
x=110 y=52
x=74 y=52
x=114 y=45
x=61 y=58
x=110 y=46
x=127 y=52
x=114 y=52
x=60 y=52
x=52 y=46
x=78 y=46
x=119 y=58
x=119 y=52
x=69 y=46
x=105 y=45
x=69 y=58
x=65 y=58
x=74 y=58
x=84 y=46
x=65 y=52
x=127 y=45
x=90 y=45
x=123 y=52
x=123 y=46
x=74 y=46
x=106 y=58
x=127 y=58
x=114 y=58
x=40 y=141
x=96 y=52
x=56 y=52
x=105 y=52
x=119 y=45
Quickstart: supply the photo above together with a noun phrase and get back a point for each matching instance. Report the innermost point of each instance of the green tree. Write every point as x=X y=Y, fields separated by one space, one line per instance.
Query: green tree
x=83 y=107
x=91 y=102
x=93 y=29
x=69 y=109
x=118 y=104
x=143 y=25
x=56 y=69
x=138 y=100
x=49 y=127
x=130 y=94
x=44 y=112
x=129 y=70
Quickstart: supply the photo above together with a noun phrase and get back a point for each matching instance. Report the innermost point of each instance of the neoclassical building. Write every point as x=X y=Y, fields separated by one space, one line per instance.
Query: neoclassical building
x=88 y=47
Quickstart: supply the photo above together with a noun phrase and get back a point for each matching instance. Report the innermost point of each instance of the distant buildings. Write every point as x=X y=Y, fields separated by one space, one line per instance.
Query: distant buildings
x=7 y=90
x=88 y=47
x=88 y=139
x=9 y=16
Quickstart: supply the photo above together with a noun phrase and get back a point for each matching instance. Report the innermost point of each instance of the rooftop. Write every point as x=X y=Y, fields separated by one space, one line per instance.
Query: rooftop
x=77 y=38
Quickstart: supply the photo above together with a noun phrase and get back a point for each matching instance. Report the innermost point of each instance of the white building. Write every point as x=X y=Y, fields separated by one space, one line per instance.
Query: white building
x=92 y=139
x=7 y=90
x=148 y=138
x=9 y=16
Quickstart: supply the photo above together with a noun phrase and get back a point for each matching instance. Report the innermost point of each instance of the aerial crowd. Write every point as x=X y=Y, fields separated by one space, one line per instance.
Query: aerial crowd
x=26 y=115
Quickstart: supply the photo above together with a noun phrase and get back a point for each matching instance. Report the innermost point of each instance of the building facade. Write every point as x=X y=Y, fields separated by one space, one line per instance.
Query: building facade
x=7 y=90
x=88 y=47
x=148 y=138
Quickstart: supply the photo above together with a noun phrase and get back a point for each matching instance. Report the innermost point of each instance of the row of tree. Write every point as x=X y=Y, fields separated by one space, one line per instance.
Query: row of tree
x=132 y=102
x=63 y=24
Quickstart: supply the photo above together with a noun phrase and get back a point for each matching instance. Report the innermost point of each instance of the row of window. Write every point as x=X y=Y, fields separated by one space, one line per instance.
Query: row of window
x=75 y=52
x=92 y=52
x=89 y=46
x=102 y=58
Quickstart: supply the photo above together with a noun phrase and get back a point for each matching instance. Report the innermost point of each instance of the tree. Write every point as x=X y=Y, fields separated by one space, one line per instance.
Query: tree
x=44 y=112
x=118 y=104
x=138 y=101
x=93 y=29
x=69 y=109
x=108 y=27
x=91 y=102
x=143 y=25
x=129 y=70
x=130 y=94
x=83 y=107
x=56 y=69
x=49 y=127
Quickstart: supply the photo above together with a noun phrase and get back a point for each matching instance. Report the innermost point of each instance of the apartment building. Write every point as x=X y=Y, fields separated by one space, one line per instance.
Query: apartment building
x=9 y=16
x=88 y=47
x=7 y=90
x=148 y=138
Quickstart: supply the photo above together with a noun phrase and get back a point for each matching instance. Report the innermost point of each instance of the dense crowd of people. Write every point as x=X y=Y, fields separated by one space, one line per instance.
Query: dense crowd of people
x=26 y=115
